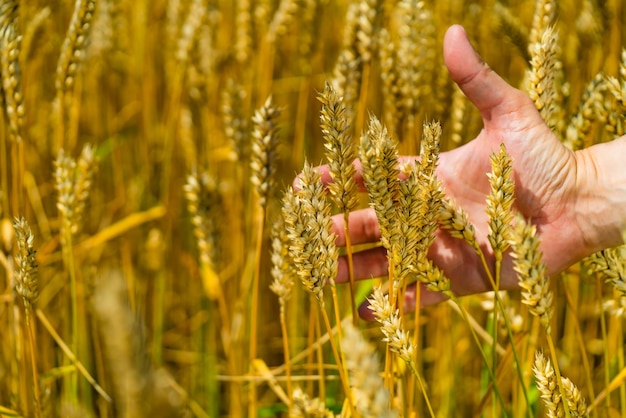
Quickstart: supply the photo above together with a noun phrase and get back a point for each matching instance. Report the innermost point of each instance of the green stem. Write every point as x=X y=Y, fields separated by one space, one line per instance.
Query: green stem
x=283 y=326
x=342 y=372
x=31 y=340
x=252 y=405
x=422 y=388
x=68 y=257
x=482 y=352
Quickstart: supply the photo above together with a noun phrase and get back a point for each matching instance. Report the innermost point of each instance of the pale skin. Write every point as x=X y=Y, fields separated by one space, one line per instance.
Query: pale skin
x=577 y=200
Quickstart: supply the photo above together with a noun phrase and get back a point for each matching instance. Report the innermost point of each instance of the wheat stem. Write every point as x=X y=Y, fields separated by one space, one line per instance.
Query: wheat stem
x=581 y=345
x=492 y=377
x=254 y=309
x=31 y=340
x=338 y=359
x=71 y=356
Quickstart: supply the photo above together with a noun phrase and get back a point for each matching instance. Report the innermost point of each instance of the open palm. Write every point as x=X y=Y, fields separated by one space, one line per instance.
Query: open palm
x=546 y=175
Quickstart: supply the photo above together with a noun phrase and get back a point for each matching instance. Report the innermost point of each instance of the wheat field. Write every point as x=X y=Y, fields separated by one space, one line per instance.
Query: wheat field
x=156 y=260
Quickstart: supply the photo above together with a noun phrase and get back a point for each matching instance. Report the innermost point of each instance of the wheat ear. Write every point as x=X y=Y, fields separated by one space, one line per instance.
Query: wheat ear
x=313 y=250
x=282 y=285
x=263 y=167
x=340 y=152
x=305 y=407
x=591 y=108
x=611 y=263
x=10 y=48
x=541 y=76
x=73 y=180
x=536 y=293
x=396 y=337
x=371 y=398
x=415 y=59
x=546 y=380
x=264 y=149
x=72 y=55
x=27 y=286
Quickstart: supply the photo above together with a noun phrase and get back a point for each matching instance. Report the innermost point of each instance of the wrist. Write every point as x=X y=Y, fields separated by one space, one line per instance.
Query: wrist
x=601 y=202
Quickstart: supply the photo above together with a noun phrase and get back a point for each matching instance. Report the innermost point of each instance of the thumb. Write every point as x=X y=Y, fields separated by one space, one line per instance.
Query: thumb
x=482 y=86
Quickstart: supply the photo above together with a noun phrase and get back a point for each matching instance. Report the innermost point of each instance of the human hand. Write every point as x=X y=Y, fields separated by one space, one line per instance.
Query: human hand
x=551 y=183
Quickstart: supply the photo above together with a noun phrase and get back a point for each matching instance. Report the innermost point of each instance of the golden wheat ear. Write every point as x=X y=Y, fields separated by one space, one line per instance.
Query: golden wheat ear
x=264 y=149
x=26 y=271
x=10 y=50
x=370 y=395
x=546 y=380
